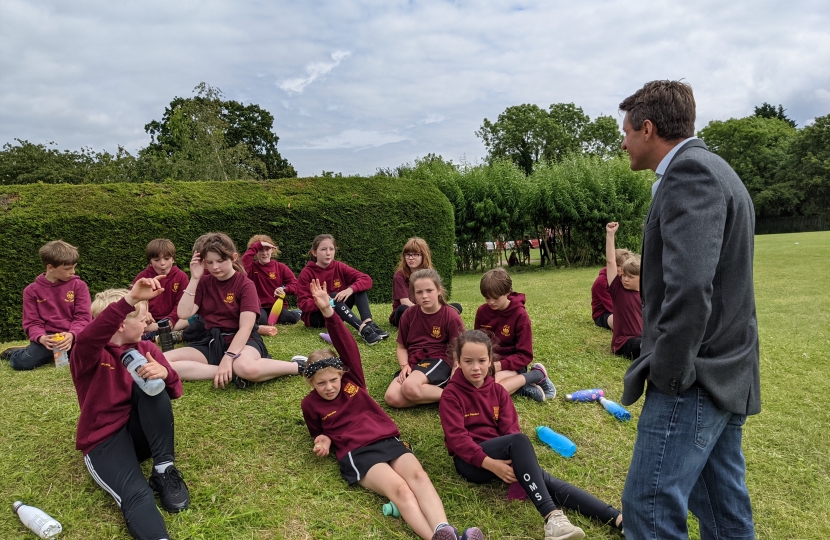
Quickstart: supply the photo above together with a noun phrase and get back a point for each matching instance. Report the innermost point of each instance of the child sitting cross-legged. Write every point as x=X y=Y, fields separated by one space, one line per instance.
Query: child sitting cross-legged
x=120 y=425
x=343 y=418
x=481 y=432
x=504 y=315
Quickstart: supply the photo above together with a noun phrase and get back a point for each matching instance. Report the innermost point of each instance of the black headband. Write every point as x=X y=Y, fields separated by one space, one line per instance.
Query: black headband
x=330 y=362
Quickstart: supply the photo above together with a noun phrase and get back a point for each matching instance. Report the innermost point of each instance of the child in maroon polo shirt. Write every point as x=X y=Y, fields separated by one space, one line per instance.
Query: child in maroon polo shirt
x=55 y=308
x=343 y=418
x=625 y=295
x=424 y=333
x=504 y=316
x=481 y=432
x=272 y=279
x=230 y=348
x=602 y=307
x=161 y=263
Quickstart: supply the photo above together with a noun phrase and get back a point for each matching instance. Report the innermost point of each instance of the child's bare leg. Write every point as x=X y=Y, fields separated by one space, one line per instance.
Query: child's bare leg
x=382 y=479
x=611 y=322
x=266 y=330
x=510 y=380
x=417 y=390
x=190 y=364
x=252 y=367
x=410 y=469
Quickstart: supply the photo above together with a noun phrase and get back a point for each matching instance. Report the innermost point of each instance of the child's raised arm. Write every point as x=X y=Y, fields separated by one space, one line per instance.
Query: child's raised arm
x=342 y=340
x=187 y=305
x=611 y=251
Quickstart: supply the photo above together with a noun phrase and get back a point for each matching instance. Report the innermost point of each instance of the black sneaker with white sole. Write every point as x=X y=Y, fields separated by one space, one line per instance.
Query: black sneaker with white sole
x=171 y=488
x=378 y=330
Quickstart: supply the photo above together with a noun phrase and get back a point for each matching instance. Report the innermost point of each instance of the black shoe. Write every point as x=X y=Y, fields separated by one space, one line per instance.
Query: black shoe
x=7 y=352
x=301 y=362
x=378 y=330
x=171 y=489
x=369 y=336
x=240 y=382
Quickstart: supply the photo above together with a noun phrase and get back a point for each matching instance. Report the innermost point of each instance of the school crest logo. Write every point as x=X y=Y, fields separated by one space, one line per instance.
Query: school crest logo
x=436 y=332
x=176 y=287
x=505 y=331
x=350 y=389
x=229 y=298
x=337 y=283
x=70 y=296
x=272 y=275
x=424 y=365
x=496 y=412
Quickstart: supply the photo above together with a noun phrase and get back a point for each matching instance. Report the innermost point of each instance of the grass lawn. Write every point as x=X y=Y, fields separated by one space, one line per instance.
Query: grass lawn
x=246 y=455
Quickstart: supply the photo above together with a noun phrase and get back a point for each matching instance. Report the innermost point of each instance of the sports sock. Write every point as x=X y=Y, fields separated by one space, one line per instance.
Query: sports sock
x=533 y=376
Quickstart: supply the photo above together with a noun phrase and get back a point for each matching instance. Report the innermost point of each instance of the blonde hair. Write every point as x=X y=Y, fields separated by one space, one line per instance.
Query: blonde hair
x=631 y=267
x=57 y=253
x=110 y=296
x=622 y=255
x=321 y=354
x=265 y=238
x=415 y=245
x=435 y=277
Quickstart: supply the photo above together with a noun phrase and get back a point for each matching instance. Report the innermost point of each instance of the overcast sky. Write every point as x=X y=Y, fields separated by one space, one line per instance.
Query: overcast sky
x=354 y=86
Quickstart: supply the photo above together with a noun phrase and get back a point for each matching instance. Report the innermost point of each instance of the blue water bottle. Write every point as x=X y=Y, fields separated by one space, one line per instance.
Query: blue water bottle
x=559 y=443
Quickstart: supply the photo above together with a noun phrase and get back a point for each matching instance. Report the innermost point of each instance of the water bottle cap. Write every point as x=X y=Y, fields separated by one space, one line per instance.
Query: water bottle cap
x=16 y=506
x=128 y=356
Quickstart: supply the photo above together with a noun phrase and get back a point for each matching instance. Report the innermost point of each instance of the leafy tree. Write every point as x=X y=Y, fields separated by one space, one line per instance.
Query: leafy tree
x=768 y=111
x=209 y=138
x=807 y=168
x=29 y=163
x=527 y=134
x=756 y=147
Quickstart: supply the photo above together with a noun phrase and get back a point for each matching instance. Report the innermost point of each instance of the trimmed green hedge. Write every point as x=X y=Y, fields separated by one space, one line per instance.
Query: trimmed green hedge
x=370 y=218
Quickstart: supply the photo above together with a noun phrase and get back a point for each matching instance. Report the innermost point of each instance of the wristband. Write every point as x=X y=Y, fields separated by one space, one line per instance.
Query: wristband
x=233 y=356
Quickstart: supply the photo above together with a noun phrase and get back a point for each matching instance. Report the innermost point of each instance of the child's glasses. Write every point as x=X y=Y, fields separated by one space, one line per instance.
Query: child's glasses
x=411 y=255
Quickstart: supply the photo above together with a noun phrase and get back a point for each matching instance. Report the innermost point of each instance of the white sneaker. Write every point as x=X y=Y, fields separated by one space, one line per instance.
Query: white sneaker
x=559 y=528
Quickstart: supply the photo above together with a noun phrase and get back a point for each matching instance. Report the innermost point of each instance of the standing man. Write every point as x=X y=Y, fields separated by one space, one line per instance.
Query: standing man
x=700 y=335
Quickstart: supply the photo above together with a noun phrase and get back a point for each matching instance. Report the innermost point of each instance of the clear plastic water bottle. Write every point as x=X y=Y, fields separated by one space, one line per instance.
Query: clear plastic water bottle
x=559 y=443
x=165 y=337
x=132 y=360
x=40 y=523
x=61 y=357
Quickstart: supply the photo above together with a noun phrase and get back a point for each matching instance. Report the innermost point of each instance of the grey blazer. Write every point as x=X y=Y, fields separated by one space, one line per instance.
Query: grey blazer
x=699 y=323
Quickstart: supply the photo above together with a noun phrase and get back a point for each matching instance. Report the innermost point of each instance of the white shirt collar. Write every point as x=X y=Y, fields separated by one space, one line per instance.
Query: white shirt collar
x=664 y=164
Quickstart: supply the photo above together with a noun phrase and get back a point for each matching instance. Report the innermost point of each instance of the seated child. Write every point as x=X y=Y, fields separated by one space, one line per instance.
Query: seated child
x=481 y=432
x=601 y=305
x=625 y=295
x=272 y=279
x=55 y=308
x=423 y=336
x=504 y=315
x=346 y=286
x=415 y=256
x=120 y=425
x=343 y=418
x=229 y=349
x=161 y=262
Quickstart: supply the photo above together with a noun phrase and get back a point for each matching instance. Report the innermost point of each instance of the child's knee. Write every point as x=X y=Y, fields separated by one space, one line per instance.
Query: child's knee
x=412 y=390
x=404 y=493
x=394 y=398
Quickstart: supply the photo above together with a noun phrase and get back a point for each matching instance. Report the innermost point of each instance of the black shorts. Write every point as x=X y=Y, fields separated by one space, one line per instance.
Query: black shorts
x=357 y=463
x=203 y=345
x=631 y=349
x=438 y=371
x=602 y=321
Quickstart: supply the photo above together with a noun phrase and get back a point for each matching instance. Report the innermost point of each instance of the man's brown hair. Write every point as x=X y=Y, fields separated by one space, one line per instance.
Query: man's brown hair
x=495 y=283
x=670 y=105
x=58 y=253
x=160 y=247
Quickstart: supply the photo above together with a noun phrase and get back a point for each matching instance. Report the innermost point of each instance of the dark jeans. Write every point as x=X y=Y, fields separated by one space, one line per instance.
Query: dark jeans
x=286 y=317
x=687 y=457
x=115 y=463
x=544 y=491
x=344 y=311
x=34 y=355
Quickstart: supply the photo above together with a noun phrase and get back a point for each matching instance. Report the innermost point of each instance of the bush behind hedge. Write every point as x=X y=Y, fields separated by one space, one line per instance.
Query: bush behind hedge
x=370 y=218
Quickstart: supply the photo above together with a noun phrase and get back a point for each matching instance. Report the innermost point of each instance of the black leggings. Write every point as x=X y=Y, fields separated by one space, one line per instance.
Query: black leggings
x=115 y=463
x=398 y=313
x=286 y=317
x=543 y=490
x=344 y=311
